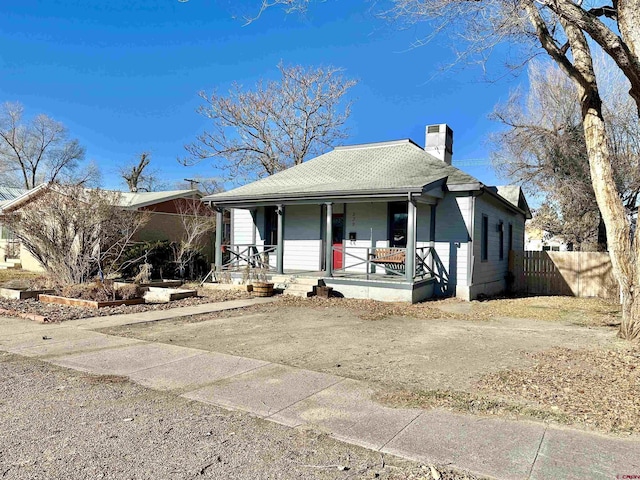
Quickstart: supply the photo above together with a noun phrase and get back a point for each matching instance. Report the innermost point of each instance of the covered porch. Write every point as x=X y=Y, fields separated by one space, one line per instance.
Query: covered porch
x=367 y=247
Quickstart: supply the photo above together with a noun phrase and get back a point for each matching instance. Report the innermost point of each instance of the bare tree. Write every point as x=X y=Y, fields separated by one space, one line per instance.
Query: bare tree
x=544 y=147
x=138 y=176
x=39 y=151
x=559 y=28
x=277 y=125
x=74 y=232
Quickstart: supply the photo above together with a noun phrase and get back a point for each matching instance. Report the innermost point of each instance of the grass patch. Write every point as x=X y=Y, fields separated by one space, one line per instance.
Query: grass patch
x=470 y=403
x=578 y=311
x=12 y=276
x=590 y=312
x=595 y=389
x=599 y=388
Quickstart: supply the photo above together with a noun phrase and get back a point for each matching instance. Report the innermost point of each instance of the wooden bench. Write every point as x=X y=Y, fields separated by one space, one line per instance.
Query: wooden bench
x=391 y=258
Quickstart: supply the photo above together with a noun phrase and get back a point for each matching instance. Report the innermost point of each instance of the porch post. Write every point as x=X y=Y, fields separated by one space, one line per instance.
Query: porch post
x=280 y=242
x=328 y=259
x=432 y=236
x=410 y=258
x=219 y=228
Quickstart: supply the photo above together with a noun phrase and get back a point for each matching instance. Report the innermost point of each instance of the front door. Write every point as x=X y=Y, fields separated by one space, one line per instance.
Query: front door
x=398 y=224
x=337 y=225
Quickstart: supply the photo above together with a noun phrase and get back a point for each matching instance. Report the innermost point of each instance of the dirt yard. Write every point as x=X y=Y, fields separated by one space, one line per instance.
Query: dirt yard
x=399 y=352
x=464 y=356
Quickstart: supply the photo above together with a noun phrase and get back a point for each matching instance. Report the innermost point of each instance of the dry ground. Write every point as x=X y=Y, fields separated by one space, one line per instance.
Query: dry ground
x=56 y=423
x=464 y=356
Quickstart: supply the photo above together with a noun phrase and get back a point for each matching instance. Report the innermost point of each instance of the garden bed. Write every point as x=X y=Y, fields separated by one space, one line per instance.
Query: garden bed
x=56 y=312
x=163 y=295
x=21 y=293
x=80 y=302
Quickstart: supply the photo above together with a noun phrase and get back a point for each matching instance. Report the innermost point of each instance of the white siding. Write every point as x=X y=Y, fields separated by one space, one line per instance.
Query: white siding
x=453 y=221
x=369 y=222
x=242 y=226
x=489 y=275
x=423 y=224
x=302 y=237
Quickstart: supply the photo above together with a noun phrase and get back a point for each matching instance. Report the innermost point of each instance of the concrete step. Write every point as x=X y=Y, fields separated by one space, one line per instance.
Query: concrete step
x=15 y=261
x=299 y=287
x=299 y=290
x=297 y=293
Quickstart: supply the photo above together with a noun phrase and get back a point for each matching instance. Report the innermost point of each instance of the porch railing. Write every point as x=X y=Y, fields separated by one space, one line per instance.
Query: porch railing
x=238 y=257
x=391 y=260
x=12 y=248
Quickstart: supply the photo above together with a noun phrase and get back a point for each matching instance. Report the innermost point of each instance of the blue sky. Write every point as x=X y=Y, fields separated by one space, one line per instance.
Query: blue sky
x=123 y=75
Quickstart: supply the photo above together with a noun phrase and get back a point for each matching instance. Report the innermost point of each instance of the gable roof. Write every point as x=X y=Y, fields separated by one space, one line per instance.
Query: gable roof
x=387 y=167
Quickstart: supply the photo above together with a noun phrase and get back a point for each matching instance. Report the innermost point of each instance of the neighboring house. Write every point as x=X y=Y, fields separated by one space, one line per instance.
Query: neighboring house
x=9 y=246
x=164 y=220
x=389 y=220
x=539 y=240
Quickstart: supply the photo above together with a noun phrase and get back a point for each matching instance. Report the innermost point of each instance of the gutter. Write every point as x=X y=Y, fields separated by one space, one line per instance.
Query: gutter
x=341 y=195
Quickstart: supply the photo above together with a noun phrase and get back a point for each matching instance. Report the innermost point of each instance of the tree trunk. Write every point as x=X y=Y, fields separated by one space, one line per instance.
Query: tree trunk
x=621 y=251
x=630 y=330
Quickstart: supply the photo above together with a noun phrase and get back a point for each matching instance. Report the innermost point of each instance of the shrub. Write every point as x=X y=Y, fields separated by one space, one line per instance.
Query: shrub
x=129 y=292
x=99 y=291
x=161 y=255
x=158 y=254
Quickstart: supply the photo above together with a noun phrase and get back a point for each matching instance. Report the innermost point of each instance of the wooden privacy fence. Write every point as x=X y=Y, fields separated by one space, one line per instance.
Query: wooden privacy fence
x=580 y=274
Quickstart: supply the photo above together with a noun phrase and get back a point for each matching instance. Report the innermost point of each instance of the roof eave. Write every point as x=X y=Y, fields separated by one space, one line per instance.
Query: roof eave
x=302 y=196
x=12 y=204
x=176 y=196
x=526 y=213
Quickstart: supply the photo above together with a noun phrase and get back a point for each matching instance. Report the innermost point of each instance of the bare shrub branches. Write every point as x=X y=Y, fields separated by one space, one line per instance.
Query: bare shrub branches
x=197 y=221
x=75 y=232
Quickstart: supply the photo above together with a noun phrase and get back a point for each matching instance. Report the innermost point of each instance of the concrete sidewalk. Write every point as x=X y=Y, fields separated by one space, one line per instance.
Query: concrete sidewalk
x=340 y=407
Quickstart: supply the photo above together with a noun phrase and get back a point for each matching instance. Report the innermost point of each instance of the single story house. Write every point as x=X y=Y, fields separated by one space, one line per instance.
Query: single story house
x=389 y=221
x=163 y=223
x=538 y=240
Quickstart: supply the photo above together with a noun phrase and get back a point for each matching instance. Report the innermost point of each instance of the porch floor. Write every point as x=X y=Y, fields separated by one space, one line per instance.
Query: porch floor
x=374 y=277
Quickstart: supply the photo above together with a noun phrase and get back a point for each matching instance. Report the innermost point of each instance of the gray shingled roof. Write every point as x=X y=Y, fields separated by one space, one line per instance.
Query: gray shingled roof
x=9 y=193
x=397 y=166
